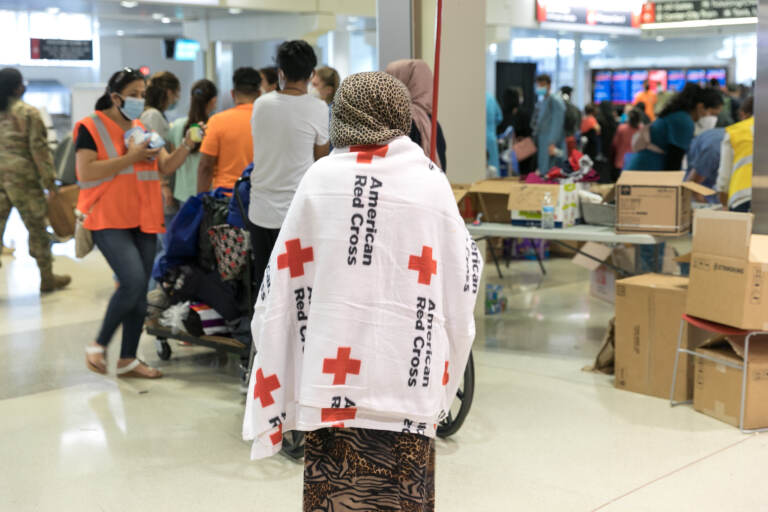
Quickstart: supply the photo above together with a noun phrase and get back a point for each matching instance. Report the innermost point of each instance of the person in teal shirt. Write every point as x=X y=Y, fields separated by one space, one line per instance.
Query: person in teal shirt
x=202 y=105
x=672 y=132
x=493 y=118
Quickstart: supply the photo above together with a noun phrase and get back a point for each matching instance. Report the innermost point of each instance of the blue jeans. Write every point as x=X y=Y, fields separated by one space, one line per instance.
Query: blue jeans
x=130 y=253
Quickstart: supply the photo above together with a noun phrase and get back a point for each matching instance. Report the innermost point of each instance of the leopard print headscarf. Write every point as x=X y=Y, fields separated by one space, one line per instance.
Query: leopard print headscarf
x=370 y=108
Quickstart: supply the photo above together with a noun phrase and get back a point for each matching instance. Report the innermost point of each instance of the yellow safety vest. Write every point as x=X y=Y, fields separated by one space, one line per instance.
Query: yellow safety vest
x=742 y=137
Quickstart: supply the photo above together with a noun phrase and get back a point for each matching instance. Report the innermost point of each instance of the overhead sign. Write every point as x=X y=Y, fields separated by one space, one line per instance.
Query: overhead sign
x=563 y=12
x=697 y=10
x=60 y=49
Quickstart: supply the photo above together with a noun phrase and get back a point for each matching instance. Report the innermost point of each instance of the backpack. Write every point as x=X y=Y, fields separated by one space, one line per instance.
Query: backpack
x=642 y=140
x=572 y=119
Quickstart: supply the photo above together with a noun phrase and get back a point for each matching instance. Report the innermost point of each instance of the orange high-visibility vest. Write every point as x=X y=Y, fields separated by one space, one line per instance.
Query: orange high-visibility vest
x=130 y=199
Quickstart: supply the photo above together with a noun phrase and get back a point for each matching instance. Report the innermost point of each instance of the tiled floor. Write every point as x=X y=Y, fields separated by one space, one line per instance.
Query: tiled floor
x=542 y=435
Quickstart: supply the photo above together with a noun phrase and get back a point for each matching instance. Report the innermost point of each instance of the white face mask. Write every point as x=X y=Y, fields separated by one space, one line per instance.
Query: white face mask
x=706 y=123
x=315 y=92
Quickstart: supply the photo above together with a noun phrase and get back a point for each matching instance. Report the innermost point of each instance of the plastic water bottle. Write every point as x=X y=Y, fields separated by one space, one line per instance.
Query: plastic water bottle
x=547 y=212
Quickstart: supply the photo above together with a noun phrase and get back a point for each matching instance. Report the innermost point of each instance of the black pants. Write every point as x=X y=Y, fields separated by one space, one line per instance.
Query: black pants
x=130 y=253
x=743 y=207
x=263 y=241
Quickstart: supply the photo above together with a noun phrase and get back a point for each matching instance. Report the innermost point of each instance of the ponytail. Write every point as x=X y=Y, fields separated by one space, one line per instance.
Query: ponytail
x=203 y=91
x=104 y=102
x=10 y=81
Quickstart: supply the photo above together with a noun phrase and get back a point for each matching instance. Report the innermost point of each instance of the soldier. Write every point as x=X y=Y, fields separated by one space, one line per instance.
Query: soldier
x=26 y=168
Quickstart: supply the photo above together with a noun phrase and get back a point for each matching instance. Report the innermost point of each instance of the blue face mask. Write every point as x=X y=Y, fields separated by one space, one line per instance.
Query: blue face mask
x=132 y=108
x=173 y=105
x=541 y=91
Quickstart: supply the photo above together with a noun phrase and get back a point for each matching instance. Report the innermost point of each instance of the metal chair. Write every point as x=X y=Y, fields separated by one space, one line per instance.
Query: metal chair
x=723 y=330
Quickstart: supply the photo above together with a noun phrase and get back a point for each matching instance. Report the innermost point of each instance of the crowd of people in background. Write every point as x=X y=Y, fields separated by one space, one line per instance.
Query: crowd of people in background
x=704 y=129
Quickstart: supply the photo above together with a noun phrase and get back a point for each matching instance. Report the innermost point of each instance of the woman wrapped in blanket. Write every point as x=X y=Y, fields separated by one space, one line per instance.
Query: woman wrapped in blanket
x=364 y=320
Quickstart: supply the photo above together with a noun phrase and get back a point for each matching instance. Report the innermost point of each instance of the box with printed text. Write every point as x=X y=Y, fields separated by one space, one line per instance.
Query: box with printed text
x=728 y=271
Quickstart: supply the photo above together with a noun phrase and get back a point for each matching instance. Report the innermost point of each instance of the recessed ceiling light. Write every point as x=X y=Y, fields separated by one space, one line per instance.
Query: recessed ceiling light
x=121 y=33
x=129 y=4
x=157 y=15
x=53 y=10
x=235 y=10
x=659 y=39
x=165 y=19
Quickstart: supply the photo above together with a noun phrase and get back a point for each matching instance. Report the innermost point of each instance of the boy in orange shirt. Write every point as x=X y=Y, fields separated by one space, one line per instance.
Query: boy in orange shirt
x=227 y=148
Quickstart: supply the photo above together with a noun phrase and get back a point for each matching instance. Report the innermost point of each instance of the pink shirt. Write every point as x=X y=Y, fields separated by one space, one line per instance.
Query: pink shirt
x=622 y=143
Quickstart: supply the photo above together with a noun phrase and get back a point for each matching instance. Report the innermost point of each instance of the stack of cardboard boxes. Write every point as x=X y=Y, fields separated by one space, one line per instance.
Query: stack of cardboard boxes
x=728 y=274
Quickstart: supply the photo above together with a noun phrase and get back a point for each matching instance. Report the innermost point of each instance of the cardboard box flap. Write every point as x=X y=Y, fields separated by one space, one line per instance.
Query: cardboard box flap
x=720 y=233
x=698 y=188
x=758 y=248
x=658 y=281
x=500 y=186
x=652 y=178
x=529 y=198
x=734 y=346
x=460 y=191
x=685 y=258
x=599 y=251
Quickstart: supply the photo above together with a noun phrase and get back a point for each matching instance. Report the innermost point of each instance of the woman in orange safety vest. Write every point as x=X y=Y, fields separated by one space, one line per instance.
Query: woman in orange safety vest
x=121 y=198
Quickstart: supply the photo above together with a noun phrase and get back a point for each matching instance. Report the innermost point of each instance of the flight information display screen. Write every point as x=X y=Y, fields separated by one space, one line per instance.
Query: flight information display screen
x=603 y=86
x=620 y=90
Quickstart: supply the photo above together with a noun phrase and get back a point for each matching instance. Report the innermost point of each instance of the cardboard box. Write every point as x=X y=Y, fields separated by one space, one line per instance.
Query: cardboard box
x=655 y=202
x=491 y=197
x=460 y=191
x=728 y=271
x=525 y=202
x=648 y=314
x=602 y=282
x=717 y=392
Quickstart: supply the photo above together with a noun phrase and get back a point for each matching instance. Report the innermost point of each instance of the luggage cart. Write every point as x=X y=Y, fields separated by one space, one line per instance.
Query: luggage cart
x=223 y=345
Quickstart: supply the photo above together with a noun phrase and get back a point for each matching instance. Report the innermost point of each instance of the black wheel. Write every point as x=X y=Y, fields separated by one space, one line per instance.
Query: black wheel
x=163 y=349
x=461 y=404
x=293 y=444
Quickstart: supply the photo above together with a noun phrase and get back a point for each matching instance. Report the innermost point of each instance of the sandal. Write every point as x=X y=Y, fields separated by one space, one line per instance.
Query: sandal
x=96 y=368
x=129 y=371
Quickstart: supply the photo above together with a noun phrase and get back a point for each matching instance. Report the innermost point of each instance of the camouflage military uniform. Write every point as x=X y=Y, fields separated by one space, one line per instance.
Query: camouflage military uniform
x=26 y=168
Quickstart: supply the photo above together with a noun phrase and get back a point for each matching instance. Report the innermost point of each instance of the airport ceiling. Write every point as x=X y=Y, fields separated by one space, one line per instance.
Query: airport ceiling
x=133 y=18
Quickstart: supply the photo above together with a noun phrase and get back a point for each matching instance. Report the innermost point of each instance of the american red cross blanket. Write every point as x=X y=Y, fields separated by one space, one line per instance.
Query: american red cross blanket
x=365 y=315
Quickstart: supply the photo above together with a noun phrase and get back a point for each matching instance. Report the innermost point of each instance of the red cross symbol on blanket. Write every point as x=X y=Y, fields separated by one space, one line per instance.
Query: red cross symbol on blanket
x=295 y=257
x=264 y=388
x=339 y=415
x=365 y=154
x=424 y=265
x=341 y=366
x=276 y=437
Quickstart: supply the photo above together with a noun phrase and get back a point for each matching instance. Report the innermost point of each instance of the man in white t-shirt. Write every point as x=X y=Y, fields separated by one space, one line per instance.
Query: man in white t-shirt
x=290 y=131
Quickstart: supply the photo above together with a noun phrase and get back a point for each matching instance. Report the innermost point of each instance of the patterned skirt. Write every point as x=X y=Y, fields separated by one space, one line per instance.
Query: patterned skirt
x=358 y=470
